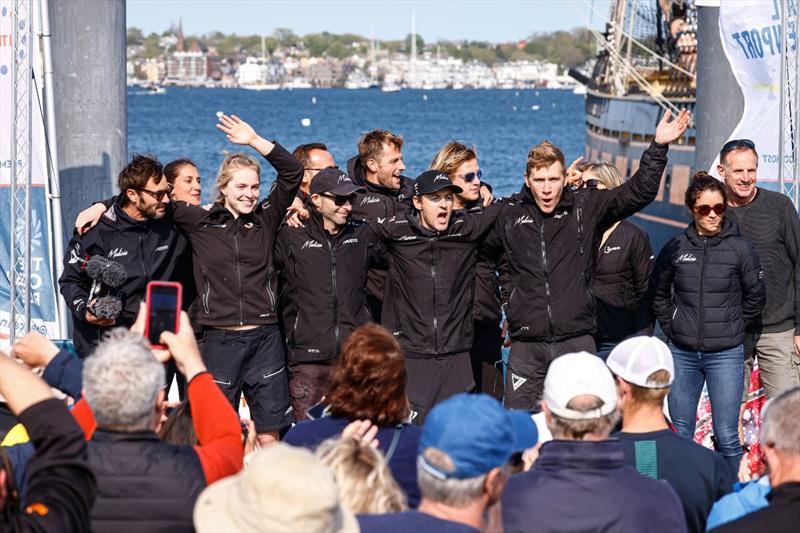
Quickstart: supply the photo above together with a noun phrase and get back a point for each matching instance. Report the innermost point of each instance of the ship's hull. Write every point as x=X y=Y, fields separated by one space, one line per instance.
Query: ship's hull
x=618 y=130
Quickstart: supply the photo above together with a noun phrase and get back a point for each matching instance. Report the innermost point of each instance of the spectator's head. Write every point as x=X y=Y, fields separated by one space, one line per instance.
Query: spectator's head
x=183 y=176
x=178 y=428
x=580 y=398
x=606 y=174
x=780 y=437
x=645 y=371
x=545 y=175
x=123 y=383
x=380 y=152
x=460 y=162
x=738 y=166
x=142 y=186
x=238 y=181
x=369 y=379
x=465 y=445
x=707 y=200
x=314 y=157
x=332 y=193
x=366 y=485
x=433 y=199
x=283 y=489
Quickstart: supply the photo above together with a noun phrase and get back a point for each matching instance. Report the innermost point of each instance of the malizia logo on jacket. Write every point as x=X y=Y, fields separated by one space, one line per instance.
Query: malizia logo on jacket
x=609 y=249
x=370 y=200
x=117 y=252
x=311 y=244
x=524 y=219
x=686 y=258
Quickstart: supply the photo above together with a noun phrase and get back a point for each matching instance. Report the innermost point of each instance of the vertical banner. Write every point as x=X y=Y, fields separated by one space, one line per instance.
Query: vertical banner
x=751 y=36
x=43 y=291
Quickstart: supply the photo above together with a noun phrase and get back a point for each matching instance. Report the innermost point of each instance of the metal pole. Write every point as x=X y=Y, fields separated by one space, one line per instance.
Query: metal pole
x=782 y=112
x=53 y=185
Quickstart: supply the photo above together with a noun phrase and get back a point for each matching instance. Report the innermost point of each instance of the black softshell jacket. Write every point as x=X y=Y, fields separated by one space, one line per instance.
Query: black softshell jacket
x=548 y=260
x=707 y=289
x=232 y=257
x=323 y=279
x=431 y=281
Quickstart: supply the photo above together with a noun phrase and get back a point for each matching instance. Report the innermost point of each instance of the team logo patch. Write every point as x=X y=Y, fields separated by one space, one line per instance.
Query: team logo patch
x=517 y=381
x=413 y=416
x=686 y=258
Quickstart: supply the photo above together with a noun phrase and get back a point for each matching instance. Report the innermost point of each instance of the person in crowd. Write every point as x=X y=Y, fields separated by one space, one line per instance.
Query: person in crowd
x=283 y=489
x=546 y=242
x=769 y=221
x=62 y=370
x=314 y=157
x=366 y=485
x=184 y=180
x=322 y=267
x=466 y=443
x=622 y=272
x=707 y=287
x=369 y=383
x=135 y=234
x=780 y=437
x=232 y=251
x=460 y=162
x=644 y=372
x=61 y=487
x=432 y=256
x=580 y=481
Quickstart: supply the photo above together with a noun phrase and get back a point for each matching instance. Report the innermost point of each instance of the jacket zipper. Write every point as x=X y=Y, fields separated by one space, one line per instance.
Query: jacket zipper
x=141 y=256
x=239 y=273
x=332 y=248
x=702 y=278
x=435 y=318
x=206 y=291
x=270 y=292
x=550 y=324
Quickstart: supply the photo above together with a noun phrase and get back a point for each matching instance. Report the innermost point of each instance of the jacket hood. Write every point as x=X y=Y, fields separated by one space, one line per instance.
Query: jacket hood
x=729 y=229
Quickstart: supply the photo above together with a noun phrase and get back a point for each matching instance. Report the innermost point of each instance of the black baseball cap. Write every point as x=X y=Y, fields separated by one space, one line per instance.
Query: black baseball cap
x=333 y=181
x=432 y=181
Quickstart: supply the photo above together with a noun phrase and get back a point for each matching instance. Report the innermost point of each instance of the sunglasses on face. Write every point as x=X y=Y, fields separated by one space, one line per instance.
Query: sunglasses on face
x=737 y=144
x=158 y=195
x=340 y=200
x=705 y=210
x=468 y=177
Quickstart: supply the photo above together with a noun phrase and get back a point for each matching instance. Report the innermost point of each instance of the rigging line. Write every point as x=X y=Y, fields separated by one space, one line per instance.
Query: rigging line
x=640 y=44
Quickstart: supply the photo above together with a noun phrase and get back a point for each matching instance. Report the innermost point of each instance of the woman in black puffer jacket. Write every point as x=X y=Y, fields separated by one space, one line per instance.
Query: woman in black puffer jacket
x=707 y=286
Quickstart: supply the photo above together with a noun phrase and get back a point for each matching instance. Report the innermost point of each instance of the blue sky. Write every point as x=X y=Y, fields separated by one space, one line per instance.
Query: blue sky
x=483 y=20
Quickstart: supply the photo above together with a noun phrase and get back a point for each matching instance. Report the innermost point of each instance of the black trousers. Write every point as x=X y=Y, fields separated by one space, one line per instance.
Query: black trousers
x=432 y=380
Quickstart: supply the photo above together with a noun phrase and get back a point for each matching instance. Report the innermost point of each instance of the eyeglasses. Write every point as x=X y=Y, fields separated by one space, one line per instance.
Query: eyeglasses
x=341 y=200
x=468 y=177
x=737 y=144
x=158 y=195
x=705 y=210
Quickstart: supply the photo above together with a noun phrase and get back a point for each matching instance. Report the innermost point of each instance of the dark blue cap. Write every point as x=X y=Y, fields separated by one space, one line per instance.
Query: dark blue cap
x=432 y=181
x=333 y=181
x=476 y=433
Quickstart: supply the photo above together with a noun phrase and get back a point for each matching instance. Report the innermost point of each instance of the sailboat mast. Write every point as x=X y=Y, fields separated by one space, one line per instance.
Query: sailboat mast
x=413 y=69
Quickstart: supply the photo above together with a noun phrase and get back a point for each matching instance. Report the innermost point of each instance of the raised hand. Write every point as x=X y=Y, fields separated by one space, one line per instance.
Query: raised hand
x=671 y=130
x=575 y=176
x=237 y=130
x=35 y=350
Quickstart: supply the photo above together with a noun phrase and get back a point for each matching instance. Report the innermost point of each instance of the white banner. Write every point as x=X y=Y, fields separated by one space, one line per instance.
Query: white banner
x=751 y=36
x=43 y=287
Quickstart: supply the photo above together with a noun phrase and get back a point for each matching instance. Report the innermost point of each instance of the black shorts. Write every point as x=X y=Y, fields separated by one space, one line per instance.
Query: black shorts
x=432 y=380
x=527 y=367
x=254 y=362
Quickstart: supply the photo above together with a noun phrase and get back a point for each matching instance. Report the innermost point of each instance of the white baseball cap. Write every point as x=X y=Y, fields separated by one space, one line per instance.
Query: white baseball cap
x=577 y=374
x=635 y=359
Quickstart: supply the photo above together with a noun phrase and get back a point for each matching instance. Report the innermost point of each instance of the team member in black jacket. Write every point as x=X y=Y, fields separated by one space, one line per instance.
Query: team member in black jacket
x=708 y=285
x=547 y=241
x=624 y=264
x=428 y=306
x=134 y=233
x=323 y=270
x=460 y=162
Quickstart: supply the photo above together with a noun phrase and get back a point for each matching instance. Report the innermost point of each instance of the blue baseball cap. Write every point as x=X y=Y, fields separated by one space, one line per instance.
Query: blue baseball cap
x=476 y=433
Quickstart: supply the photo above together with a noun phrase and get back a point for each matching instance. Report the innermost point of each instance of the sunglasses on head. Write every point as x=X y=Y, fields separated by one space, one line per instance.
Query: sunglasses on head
x=468 y=177
x=705 y=210
x=340 y=200
x=737 y=144
x=158 y=195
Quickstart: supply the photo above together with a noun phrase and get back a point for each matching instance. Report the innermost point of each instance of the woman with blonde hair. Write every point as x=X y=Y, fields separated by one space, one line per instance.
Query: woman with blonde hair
x=624 y=264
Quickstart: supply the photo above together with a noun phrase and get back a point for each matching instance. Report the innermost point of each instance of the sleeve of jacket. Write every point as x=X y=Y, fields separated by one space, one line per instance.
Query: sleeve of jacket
x=74 y=283
x=480 y=224
x=65 y=373
x=185 y=216
x=754 y=292
x=792 y=243
x=61 y=486
x=642 y=262
x=637 y=192
x=290 y=174
x=219 y=434
x=660 y=291
x=281 y=249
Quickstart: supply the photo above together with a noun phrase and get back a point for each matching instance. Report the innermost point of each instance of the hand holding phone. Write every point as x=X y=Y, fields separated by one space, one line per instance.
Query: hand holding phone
x=163 y=310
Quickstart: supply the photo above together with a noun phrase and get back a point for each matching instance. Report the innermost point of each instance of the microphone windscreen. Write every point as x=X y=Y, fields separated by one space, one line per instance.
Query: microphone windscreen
x=114 y=275
x=95 y=266
x=107 y=307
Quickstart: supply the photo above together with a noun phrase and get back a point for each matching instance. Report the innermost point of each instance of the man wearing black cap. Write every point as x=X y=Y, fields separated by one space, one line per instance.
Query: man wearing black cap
x=323 y=269
x=428 y=301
